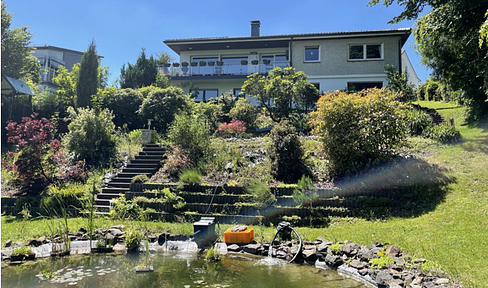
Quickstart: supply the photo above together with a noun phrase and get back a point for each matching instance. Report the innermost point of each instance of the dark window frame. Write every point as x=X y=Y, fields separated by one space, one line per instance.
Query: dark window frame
x=365 y=52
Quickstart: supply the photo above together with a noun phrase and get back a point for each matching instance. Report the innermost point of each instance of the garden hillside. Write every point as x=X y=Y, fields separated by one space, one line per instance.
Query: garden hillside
x=446 y=225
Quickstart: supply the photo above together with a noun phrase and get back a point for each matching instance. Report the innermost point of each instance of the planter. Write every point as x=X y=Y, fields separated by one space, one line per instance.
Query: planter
x=102 y=250
x=203 y=63
x=176 y=64
x=244 y=62
x=144 y=270
x=266 y=61
x=184 y=64
x=219 y=63
x=194 y=64
x=254 y=62
x=211 y=63
x=60 y=254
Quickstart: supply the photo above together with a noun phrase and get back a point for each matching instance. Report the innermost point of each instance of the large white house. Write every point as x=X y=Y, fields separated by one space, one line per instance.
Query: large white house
x=332 y=60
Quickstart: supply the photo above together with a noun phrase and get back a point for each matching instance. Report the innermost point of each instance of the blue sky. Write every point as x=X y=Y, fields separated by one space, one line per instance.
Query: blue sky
x=121 y=28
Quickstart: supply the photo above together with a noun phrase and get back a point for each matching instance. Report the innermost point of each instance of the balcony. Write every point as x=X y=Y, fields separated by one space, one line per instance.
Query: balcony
x=219 y=68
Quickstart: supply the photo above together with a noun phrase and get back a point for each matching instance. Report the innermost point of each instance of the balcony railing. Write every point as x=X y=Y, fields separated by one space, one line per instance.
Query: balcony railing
x=219 y=69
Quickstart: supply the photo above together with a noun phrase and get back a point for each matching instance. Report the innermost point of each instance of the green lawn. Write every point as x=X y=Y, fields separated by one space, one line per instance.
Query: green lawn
x=454 y=235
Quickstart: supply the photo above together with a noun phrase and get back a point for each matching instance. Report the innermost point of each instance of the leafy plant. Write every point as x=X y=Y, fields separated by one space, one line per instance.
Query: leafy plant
x=232 y=128
x=359 y=130
x=133 y=239
x=24 y=250
x=398 y=83
x=139 y=179
x=212 y=255
x=382 y=261
x=124 y=209
x=191 y=177
x=261 y=194
x=418 y=121
x=335 y=247
x=302 y=194
x=443 y=133
x=176 y=161
x=245 y=112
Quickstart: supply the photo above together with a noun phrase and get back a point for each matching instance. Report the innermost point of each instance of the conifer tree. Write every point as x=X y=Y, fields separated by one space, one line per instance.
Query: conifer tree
x=88 y=77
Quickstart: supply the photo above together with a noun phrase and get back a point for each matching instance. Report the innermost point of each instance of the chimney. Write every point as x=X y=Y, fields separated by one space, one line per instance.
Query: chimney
x=255 y=26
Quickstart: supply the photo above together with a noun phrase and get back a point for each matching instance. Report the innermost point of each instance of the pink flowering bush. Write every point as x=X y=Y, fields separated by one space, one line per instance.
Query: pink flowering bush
x=234 y=127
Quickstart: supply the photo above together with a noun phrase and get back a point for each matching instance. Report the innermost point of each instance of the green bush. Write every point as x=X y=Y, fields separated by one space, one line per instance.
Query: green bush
x=133 y=239
x=244 y=111
x=421 y=92
x=261 y=194
x=191 y=134
x=168 y=197
x=302 y=194
x=286 y=153
x=191 y=177
x=162 y=105
x=124 y=104
x=398 y=83
x=359 y=130
x=139 y=179
x=176 y=161
x=24 y=250
x=123 y=209
x=443 y=133
x=212 y=255
x=418 y=121
x=91 y=135
x=432 y=91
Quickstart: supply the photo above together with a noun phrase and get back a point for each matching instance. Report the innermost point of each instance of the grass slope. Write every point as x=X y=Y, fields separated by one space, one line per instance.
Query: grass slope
x=454 y=235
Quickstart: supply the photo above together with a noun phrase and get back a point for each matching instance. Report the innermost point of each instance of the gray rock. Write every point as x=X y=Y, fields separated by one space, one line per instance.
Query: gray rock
x=350 y=249
x=109 y=237
x=442 y=281
x=375 y=250
x=82 y=230
x=383 y=278
x=120 y=227
x=251 y=248
x=309 y=254
x=333 y=260
x=34 y=242
x=8 y=243
x=395 y=285
x=281 y=254
x=420 y=260
x=321 y=265
x=357 y=264
x=365 y=254
x=321 y=239
x=429 y=285
x=322 y=247
x=229 y=166
x=116 y=232
x=363 y=271
x=234 y=248
x=393 y=251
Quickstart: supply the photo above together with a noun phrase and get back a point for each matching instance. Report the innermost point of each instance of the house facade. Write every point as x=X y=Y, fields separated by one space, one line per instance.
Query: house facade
x=332 y=61
x=51 y=57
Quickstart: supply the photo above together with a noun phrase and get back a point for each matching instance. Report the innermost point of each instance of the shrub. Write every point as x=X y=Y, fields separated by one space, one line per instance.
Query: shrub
x=212 y=255
x=302 y=194
x=123 y=209
x=443 y=133
x=418 y=121
x=261 y=194
x=432 y=91
x=244 y=111
x=421 y=92
x=124 y=104
x=168 y=197
x=176 y=161
x=286 y=153
x=359 y=130
x=192 y=135
x=162 y=105
x=139 y=179
x=234 y=127
x=72 y=190
x=191 y=177
x=91 y=135
x=24 y=250
x=133 y=239
x=398 y=83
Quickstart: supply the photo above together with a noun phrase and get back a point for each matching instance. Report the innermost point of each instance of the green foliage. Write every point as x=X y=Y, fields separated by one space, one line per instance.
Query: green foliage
x=142 y=74
x=443 y=133
x=72 y=190
x=382 y=261
x=124 y=209
x=284 y=87
x=302 y=194
x=177 y=160
x=139 y=179
x=209 y=112
x=359 y=130
x=398 y=83
x=227 y=101
x=66 y=92
x=335 y=247
x=261 y=194
x=162 y=105
x=168 y=197
x=24 y=250
x=431 y=91
x=191 y=177
x=133 y=239
x=161 y=81
x=128 y=144
x=286 y=153
x=124 y=104
x=91 y=135
x=244 y=111
x=191 y=134
x=88 y=80
x=17 y=61
x=212 y=255
x=421 y=92
x=418 y=120
x=222 y=154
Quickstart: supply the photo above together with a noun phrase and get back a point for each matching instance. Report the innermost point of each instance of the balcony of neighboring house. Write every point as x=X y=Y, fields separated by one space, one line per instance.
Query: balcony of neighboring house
x=223 y=67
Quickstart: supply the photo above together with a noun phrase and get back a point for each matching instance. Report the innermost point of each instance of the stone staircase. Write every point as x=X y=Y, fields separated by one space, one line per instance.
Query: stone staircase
x=146 y=163
x=436 y=117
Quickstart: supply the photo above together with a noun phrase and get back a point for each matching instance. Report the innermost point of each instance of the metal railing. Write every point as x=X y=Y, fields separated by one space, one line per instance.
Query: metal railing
x=182 y=70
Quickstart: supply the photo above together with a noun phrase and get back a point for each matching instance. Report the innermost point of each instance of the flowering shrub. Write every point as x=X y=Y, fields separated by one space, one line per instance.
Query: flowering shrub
x=234 y=127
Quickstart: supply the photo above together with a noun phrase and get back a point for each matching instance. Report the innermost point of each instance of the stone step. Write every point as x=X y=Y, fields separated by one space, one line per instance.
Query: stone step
x=148 y=157
x=149 y=161
x=131 y=174
x=150 y=148
x=102 y=202
x=107 y=196
x=120 y=180
x=140 y=170
x=152 y=153
x=154 y=165
x=102 y=209
x=152 y=145
x=118 y=185
x=114 y=190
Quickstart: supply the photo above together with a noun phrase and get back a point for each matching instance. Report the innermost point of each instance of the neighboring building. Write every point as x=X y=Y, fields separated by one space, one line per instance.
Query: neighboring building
x=332 y=61
x=408 y=68
x=51 y=57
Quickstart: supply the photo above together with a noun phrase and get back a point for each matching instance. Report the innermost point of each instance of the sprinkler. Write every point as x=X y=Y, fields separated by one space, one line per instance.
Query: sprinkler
x=284 y=229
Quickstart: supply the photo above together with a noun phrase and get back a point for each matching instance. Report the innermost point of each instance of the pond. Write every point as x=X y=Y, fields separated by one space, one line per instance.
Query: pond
x=170 y=270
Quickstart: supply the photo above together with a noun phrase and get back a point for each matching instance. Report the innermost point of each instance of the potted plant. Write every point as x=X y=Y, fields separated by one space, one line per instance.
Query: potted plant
x=193 y=64
x=176 y=64
x=254 y=62
x=103 y=246
x=219 y=63
x=22 y=253
x=244 y=62
x=184 y=64
x=203 y=63
x=211 y=63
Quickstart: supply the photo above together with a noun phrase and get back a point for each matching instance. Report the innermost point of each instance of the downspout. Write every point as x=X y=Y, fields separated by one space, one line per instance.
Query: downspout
x=290 y=49
x=399 y=56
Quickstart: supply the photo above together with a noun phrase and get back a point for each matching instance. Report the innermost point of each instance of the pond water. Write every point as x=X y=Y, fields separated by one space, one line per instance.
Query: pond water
x=170 y=270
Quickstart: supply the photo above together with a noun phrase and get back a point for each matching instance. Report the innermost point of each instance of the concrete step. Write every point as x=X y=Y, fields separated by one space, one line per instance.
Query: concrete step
x=102 y=202
x=150 y=152
x=154 y=165
x=118 y=185
x=120 y=180
x=148 y=157
x=114 y=190
x=106 y=196
x=132 y=174
x=146 y=161
x=139 y=170
x=152 y=145
x=154 y=149
x=102 y=209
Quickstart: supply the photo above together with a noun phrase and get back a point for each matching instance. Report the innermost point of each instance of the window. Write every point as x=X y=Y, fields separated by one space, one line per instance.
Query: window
x=205 y=94
x=358 y=86
x=365 y=52
x=312 y=54
x=317 y=85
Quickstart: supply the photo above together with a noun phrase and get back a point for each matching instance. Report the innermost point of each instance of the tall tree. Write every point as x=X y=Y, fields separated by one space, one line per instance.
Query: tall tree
x=451 y=39
x=142 y=74
x=88 y=79
x=17 y=59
